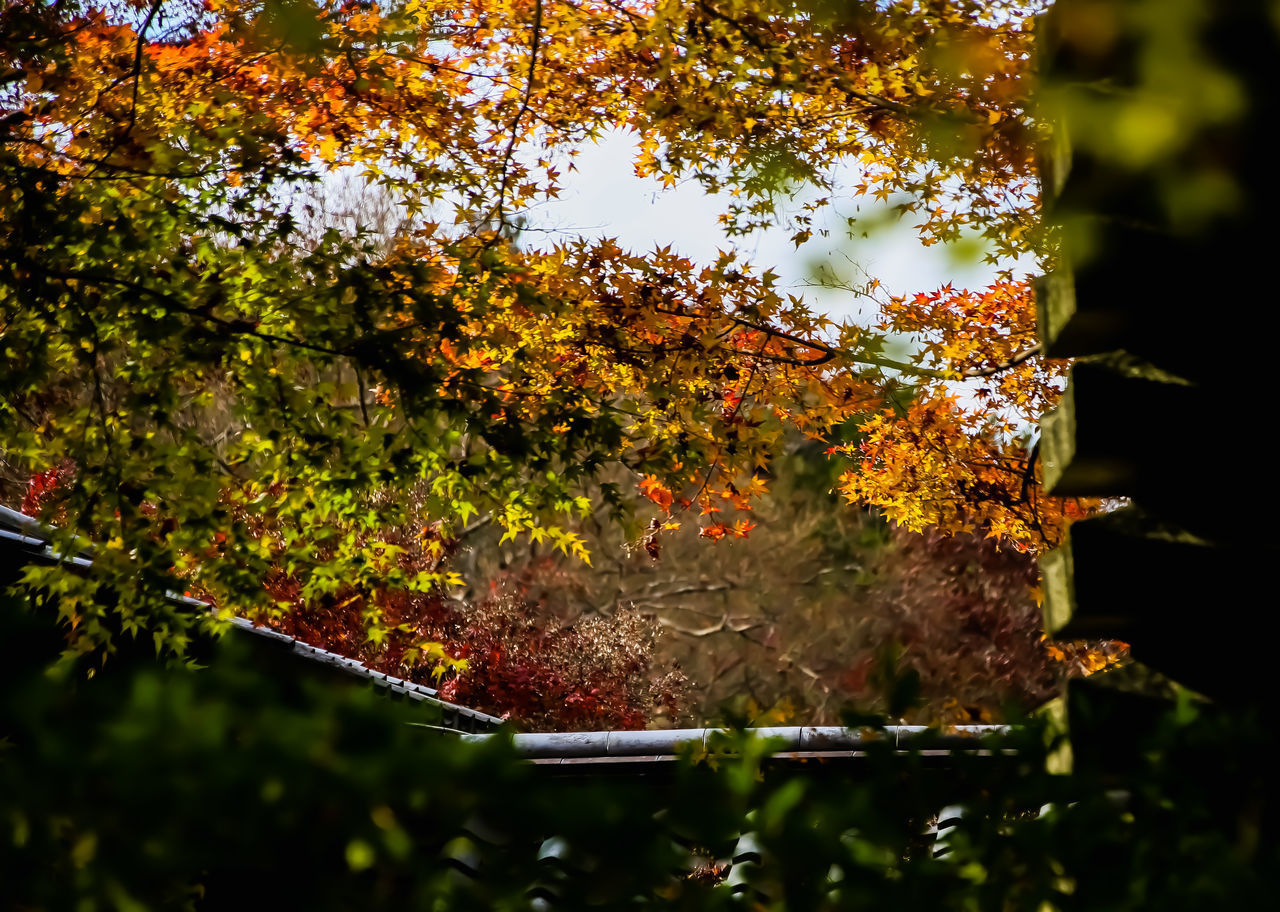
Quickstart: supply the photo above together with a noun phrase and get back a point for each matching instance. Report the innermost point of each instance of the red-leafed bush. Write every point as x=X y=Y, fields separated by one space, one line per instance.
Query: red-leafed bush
x=504 y=655
x=597 y=672
x=508 y=653
x=43 y=487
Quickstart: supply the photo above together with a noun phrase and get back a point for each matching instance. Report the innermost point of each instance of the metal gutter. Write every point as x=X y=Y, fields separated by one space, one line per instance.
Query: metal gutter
x=23 y=522
x=35 y=536
x=791 y=742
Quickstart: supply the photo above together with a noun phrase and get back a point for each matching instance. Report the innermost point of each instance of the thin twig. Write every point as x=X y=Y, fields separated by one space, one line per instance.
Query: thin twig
x=136 y=75
x=525 y=102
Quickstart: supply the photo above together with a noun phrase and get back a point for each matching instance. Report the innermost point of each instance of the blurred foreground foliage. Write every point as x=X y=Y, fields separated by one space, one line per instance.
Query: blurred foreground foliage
x=157 y=786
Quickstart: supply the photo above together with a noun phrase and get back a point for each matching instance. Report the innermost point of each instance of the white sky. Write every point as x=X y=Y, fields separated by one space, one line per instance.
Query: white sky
x=604 y=198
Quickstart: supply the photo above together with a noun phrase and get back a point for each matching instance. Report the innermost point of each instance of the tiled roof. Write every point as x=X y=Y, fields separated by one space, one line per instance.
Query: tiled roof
x=458 y=718
x=31 y=538
x=746 y=865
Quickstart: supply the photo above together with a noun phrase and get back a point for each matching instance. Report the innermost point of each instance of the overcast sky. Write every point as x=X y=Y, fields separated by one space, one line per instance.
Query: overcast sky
x=605 y=199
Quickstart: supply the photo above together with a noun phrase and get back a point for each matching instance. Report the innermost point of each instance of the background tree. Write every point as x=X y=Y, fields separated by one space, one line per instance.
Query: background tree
x=797 y=619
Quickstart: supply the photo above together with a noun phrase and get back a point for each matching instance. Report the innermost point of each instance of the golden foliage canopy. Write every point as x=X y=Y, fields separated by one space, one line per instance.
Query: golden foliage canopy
x=172 y=332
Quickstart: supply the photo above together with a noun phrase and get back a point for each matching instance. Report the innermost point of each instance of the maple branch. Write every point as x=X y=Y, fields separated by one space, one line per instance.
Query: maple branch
x=876 y=101
x=1028 y=477
x=829 y=352
x=21 y=412
x=137 y=61
x=618 y=7
x=135 y=74
x=726 y=625
x=474 y=526
x=436 y=65
x=235 y=327
x=847 y=568
x=690 y=589
x=1004 y=365
x=832 y=351
x=753 y=37
x=98 y=164
x=525 y=102
x=364 y=408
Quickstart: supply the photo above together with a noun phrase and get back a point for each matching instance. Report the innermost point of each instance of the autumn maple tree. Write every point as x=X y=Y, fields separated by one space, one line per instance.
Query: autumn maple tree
x=202 y=394
x=209 y=369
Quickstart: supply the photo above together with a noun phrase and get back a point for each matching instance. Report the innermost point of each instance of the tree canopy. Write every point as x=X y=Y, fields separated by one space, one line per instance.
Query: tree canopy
x=211 y=380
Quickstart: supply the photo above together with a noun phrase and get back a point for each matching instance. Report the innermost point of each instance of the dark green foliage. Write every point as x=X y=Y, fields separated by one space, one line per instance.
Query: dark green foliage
x=241 y=785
